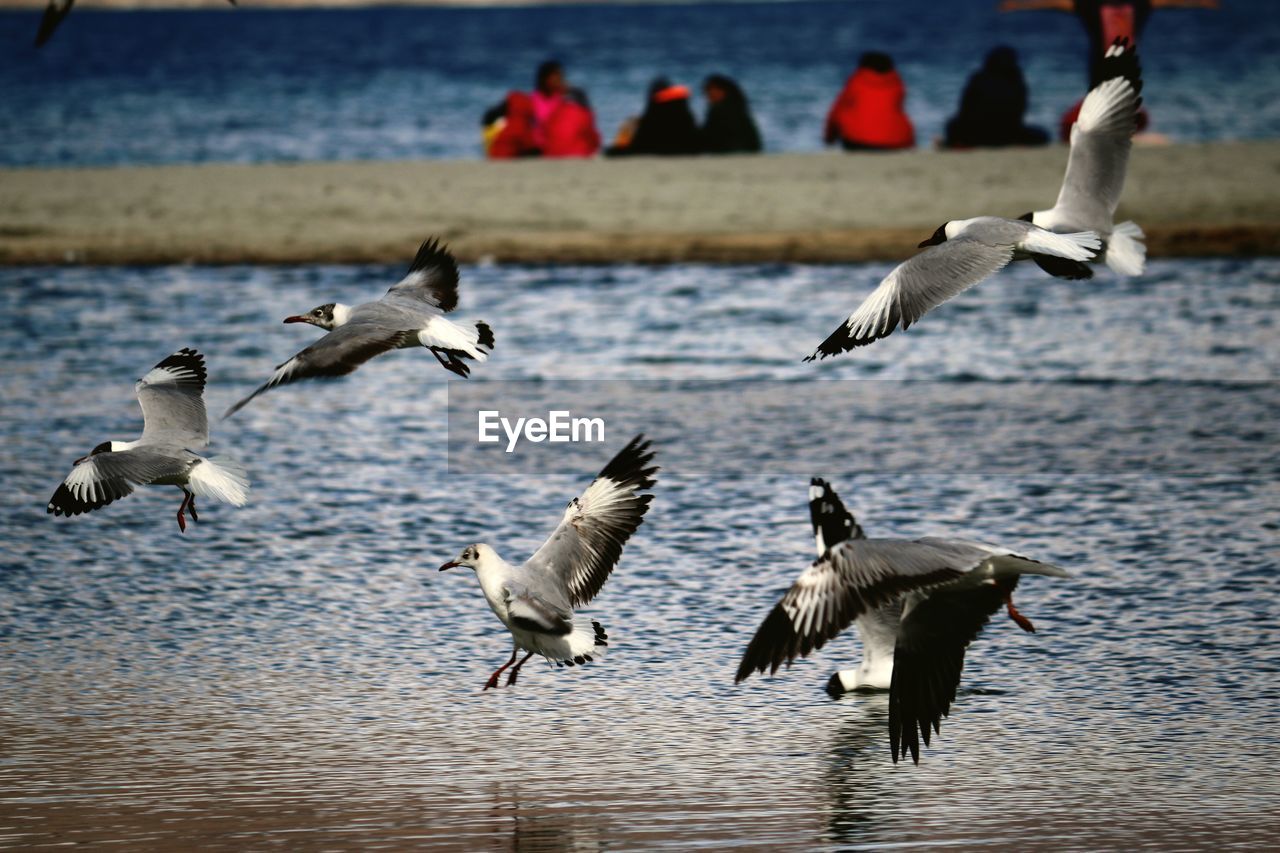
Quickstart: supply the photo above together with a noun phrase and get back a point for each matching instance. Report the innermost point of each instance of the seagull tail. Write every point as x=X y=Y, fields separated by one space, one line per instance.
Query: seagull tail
x=220 y=478
x=451 y=343
x=582 y=646
x=1126 y=253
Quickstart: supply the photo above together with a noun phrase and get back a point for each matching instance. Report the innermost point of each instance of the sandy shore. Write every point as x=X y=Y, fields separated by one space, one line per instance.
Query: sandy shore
x=1215 y=199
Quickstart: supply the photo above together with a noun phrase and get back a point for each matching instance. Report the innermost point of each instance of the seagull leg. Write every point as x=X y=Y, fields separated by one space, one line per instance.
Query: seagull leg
x=1023 y=622
x=182 y=522
x=191 y=508
x=511 y=677
x=493 y=679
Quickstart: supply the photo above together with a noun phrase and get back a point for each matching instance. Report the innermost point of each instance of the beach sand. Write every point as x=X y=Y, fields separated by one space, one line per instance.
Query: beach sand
x=1212 y=199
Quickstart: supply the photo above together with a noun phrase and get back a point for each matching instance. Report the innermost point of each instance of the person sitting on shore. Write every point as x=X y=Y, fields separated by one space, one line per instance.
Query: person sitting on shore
x=667 y=127
x=570 y=130
x=869 y=114
x=548 y=94
x=509 y=129
x=992 y=107
x=729 y=127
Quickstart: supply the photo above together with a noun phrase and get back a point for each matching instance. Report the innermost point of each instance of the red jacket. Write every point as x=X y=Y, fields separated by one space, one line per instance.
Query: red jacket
x=869 y=112
x=516 y=137
x=570 y=131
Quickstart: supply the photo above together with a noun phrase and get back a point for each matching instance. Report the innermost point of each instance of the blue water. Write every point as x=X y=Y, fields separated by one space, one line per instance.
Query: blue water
x=268 y=85
x=297 y=672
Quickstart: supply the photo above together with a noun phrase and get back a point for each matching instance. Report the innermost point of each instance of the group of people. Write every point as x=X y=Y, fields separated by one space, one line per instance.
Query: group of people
x=868 y=114
x=555 y=120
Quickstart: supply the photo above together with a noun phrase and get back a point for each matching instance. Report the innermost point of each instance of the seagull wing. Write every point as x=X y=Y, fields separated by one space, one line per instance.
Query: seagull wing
x=172 y=400
x=854 y=577
x=587 y=543
x=920 y=283
x=937 y=627
x=432 y=281
x=338 y=353
x=106 y=477
x=53 y=15
x=1100 y=143
x=928 y=657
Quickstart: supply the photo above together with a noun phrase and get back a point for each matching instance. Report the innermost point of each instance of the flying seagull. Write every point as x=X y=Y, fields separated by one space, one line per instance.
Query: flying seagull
x=174 y=425
x=960 y=254
x=536 y=600
x=410 y=314
x=1100 y=143
x=918 y=605
x=53 y=15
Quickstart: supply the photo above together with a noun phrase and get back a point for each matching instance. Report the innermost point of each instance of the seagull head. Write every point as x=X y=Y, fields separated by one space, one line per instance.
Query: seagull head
x=328 y=316
x=471 y=557
x=105 y=447
x=939 y=236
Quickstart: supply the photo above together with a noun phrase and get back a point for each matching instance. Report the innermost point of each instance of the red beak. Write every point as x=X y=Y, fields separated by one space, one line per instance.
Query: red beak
x=450 y=565
x=296 y=319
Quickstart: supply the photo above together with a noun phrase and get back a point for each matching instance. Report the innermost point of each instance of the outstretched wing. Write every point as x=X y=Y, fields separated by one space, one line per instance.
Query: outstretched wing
x=587 y=544
x=432 y=280
x=1100 y=142
x=929 y=656
x=106 y=477
x=172 y=400
x=853 y=577
x=920 y=283
x=338 y=353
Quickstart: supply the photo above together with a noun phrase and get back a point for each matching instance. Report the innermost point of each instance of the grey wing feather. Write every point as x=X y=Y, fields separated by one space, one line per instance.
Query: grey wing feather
x=854 y=577
x=583 y=549
x=172 y=399
x=432 y=280
x=1099 y=160
x=338 y=353
x=545 y=613
x=915 y=286
x=106 y=477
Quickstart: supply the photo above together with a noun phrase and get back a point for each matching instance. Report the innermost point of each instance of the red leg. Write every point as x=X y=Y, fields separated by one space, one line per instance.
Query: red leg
x=493 y=679
x=511 y=679
x=191 y=508
x=1023 y=622
x=182 y=522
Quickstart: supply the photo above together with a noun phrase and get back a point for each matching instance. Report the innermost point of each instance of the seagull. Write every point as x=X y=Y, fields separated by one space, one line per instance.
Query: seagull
x=1100 y=143
x=174 y=424
x=535 y=601
x=53 y=15
x=410 y=314
x=918 y=605
x=960 y=254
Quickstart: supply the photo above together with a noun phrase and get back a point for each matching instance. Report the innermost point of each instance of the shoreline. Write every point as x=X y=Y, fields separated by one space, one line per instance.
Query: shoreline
x=1214 y=199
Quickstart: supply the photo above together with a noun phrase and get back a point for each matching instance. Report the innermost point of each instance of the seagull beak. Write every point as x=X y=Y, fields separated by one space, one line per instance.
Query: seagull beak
x=919 y=245
x=450 y=565
x=296 y=319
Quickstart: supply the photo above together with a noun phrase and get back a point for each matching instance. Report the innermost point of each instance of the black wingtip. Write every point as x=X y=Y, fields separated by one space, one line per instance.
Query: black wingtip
x=631 y=466
x=832 y=522
x=485 y=334
x=434 y=255
x=49 y=22
x=775 y=641
x=187 y=360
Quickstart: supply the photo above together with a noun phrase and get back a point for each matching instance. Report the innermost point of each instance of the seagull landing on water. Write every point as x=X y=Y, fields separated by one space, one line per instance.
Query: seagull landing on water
x=173 y=424
x=536 y=600
x=960 y=254
x=918 y=605
x=1091 y=188
x=409 y=315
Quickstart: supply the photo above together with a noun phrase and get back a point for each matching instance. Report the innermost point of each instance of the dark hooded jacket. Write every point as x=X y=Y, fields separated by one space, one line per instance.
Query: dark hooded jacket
x=667 y=126
x=992 y=106
x=729 y=127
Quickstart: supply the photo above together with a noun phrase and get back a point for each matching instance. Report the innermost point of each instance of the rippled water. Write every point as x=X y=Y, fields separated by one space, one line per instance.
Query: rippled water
x=256 y=84
x=297 y=673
